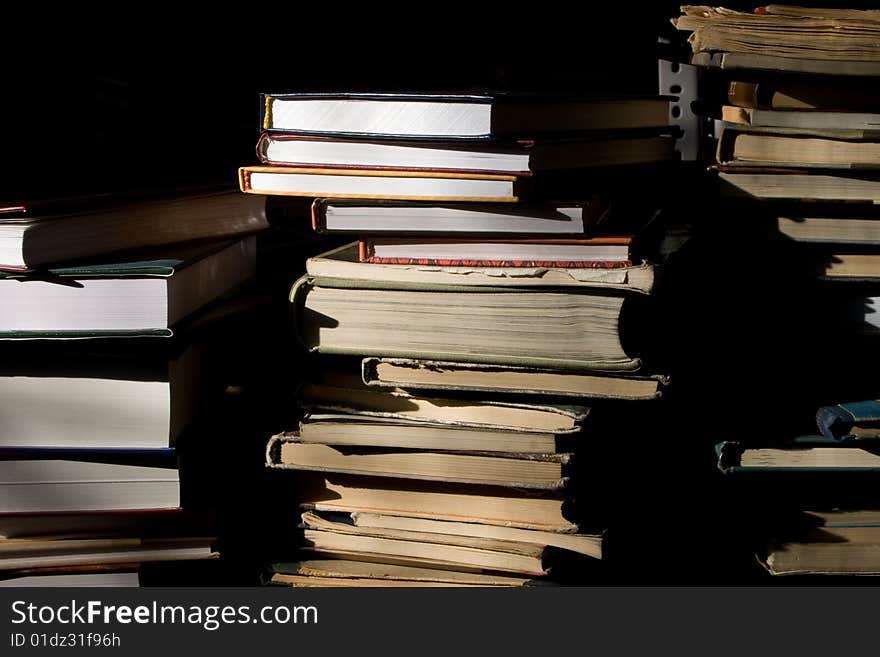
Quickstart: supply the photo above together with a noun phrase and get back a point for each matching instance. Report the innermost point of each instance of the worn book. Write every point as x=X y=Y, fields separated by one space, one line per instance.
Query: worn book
x=478 y=117
x=805 y=453
x=855 y=230
x=773 y=63
x=135 y=296
x=360 y=430
x=356 y=399
x=597 y=252
x=513 y=470
x=37 y=234
x=522 y=158
x=835 y=542
x=573 y=329
x=344 y=263
x=327 y=535
x=349 y=573
x=413 y=498
x=806 y=99
x=801 y=119
x=416 y=374
x=586 y=544
x=799 y=147
x=799 y=185
x=795 y=33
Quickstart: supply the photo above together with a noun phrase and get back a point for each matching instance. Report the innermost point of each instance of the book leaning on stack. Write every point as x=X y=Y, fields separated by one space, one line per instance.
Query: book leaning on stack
x=105 y=377
x=459 y=341
x=795 y=92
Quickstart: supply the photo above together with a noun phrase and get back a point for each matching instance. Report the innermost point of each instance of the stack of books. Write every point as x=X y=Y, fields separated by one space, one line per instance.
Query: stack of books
x=795 y=97
x=461 y=339
x=104 y=376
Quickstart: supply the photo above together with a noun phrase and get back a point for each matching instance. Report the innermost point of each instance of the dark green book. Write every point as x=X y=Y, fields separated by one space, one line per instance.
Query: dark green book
x=125 y=297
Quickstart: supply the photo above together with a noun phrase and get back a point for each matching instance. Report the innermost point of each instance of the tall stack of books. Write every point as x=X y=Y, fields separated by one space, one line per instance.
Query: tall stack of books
x=795 y=95
x=464 y=341
x=105 y=374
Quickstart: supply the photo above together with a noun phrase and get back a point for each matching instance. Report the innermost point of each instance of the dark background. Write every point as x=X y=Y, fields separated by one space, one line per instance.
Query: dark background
x=153 y=98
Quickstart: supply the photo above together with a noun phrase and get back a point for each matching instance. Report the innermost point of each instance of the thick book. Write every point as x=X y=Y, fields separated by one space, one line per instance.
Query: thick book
x=799 y=147
x=837 y=542
x=35 y=234
x=30 y=486
x=413 y=185
x=799 y=185
x=349 y=573
x=344 y=263
x=415 y=374
x=398 y=217
x=361 y=400
x=359 y=430
x=431 y=116
x=597 y=252
x=521 y=158
x=803 y=454
x=785 y=32
x=101 y=401
x=434 y=500
x=137 y=296
x=529 y=471
x=570 y=329
x=858 y=420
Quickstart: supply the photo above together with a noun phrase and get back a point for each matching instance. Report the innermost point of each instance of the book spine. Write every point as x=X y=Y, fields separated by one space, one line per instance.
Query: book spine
x=319 y=218
x=244 y=180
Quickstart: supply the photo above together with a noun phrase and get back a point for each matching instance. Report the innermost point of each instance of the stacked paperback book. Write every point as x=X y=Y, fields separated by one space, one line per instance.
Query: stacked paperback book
x=102 y=380
x=461 y=341
x=794 y=92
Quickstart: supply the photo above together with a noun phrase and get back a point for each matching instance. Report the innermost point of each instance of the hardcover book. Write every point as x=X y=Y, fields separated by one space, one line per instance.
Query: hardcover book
x=127 y=297
x=431 y=116
x=521 y=158
x=574 y=330
x=49 y=233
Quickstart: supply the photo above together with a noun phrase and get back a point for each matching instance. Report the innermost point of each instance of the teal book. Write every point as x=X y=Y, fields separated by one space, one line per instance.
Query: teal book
x=850 y=420
x=122 y=297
